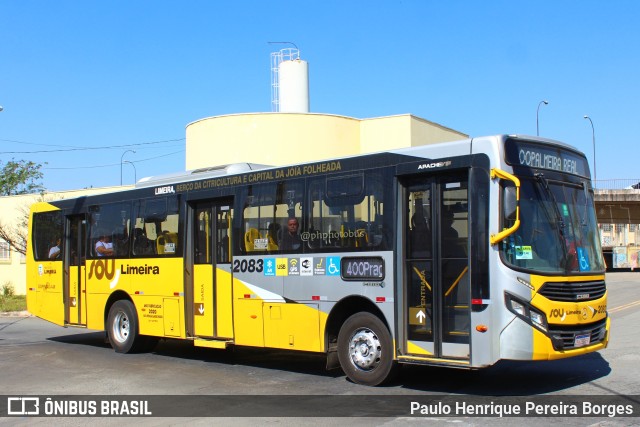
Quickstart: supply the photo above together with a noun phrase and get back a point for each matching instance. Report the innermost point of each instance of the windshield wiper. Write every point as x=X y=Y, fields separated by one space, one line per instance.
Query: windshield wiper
x=541 y=179
x=586 y=203
x=561 y=224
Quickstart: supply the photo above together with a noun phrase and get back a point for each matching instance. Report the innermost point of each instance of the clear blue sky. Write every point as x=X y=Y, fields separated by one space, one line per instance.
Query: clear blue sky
x=120 y=73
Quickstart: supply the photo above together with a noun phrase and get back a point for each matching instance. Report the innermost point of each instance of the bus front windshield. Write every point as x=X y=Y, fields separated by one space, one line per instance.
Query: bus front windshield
x=558 y=231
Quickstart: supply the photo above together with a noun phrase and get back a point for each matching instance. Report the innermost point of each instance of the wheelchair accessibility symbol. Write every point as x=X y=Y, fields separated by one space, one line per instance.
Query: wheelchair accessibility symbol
x=583 y=260
x=333 y=266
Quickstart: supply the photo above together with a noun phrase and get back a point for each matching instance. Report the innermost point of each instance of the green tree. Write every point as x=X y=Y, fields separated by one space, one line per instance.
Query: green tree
x=20 y=177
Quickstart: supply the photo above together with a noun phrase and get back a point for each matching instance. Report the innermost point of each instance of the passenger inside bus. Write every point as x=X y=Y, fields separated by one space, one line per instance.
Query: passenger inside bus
x=55 y=250
x=104 y=247
x=420 y=235
x=141 y=244
x=291 y=240
x=451 y=247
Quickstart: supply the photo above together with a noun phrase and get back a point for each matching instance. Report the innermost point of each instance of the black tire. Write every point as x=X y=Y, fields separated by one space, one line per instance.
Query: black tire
x=122 y=327
x=365 y=350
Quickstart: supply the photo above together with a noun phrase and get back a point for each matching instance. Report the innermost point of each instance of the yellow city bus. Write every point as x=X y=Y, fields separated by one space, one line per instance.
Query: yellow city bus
x=457 y=254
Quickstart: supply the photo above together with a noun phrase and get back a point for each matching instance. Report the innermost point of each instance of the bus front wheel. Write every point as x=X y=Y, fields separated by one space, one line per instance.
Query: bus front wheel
x=365 y=350
x=122 y=327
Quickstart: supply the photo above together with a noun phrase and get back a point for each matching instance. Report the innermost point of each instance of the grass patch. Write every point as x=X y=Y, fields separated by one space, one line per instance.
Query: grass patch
x=13 y=303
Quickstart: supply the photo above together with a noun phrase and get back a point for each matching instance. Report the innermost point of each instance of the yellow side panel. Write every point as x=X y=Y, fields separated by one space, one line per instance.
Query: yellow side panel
x=154 y=316
x=248 y=322
x=172 y=318
x=292 y=326
x=203 y=312
x=44 y=279
x=95 y=310
x=224 y=304
x=247 y=316
x=146 y=281
x=45 y=296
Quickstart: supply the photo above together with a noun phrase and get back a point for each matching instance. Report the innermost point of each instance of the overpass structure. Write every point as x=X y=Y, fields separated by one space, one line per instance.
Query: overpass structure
x=618 y=211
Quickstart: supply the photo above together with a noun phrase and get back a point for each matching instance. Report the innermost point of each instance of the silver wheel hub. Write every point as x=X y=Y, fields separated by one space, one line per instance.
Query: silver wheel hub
x=365 y=350
x=121 y=327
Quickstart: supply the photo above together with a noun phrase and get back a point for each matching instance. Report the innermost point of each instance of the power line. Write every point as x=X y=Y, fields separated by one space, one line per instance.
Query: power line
x=116 y=164
x=112 y=147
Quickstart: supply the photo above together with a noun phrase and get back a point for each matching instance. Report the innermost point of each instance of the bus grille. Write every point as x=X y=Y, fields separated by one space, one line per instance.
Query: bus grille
x=564 y=337
x=573 y=291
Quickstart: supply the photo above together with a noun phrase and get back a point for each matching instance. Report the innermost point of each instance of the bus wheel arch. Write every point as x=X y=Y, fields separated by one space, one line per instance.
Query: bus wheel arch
x=359 y=336
x=122 y=326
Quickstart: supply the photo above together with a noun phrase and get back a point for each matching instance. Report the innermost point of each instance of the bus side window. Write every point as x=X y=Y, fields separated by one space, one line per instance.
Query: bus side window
x=266 y=210
x=156 y=228
x=109 y=228
x=346 y=212
x=47 y=229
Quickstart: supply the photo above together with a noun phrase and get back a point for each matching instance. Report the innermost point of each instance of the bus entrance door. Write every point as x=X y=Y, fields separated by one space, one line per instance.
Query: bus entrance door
x=208 y=275
x=75 y=295
x=436 y=306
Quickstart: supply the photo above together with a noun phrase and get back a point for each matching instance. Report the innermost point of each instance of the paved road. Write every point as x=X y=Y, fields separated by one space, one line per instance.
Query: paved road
x=38 y=358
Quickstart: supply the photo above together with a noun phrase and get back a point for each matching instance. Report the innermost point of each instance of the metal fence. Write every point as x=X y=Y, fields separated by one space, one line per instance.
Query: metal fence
x=617 y=184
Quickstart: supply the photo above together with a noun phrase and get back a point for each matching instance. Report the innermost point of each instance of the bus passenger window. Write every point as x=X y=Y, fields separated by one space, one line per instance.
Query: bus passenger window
x=347 y=212
x=47 y=229
x=156 y=228
x=268 y=208
x=109 y=230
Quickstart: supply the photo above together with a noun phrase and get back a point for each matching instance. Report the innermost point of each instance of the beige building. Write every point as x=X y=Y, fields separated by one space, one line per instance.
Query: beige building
x=284 y=138
x=264 y=138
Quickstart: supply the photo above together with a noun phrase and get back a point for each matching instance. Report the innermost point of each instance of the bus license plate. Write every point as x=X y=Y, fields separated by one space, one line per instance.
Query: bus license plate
x=582 y=340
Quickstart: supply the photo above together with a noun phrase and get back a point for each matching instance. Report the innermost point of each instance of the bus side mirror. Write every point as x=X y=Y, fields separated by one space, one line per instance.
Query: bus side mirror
x=510 y=203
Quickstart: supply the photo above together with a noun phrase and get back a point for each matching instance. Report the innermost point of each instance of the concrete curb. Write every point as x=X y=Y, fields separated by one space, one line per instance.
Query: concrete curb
x=15 y=314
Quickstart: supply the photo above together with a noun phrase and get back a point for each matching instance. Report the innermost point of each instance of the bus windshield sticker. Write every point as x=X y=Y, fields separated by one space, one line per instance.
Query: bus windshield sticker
x=524 y=252
x=583 y=259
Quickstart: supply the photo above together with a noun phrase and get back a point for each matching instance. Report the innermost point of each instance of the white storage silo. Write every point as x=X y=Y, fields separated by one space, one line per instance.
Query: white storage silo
x=293 y=76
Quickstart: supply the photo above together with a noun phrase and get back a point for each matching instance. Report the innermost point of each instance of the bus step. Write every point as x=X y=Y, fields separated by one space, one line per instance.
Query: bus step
x=221 y=344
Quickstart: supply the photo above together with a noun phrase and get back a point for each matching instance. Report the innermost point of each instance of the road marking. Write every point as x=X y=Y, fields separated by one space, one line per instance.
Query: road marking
x=624 y=307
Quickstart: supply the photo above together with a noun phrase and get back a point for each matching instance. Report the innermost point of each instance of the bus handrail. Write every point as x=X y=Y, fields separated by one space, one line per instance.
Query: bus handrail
x=495 y=238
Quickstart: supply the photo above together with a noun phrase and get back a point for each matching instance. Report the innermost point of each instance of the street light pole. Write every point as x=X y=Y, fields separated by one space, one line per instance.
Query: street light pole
x=135 y=172
x=121 y=157
x=538 y=115
x=593 y=138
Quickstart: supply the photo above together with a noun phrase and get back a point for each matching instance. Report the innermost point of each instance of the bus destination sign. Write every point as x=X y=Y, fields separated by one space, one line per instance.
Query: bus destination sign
x=536 y=156
x=362 y=268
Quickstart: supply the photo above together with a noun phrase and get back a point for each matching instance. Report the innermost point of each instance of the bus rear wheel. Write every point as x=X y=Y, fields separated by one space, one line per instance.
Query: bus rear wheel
x=122 y=327
x=365 y=350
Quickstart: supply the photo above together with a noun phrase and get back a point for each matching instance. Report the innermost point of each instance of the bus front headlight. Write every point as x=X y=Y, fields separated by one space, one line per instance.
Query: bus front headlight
x=526 y=312
x=538 y=320
x=517 y=308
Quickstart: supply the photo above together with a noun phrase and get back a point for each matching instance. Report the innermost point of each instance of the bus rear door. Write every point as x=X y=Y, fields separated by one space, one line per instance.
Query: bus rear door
x=75 y=292
x=208 y=271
